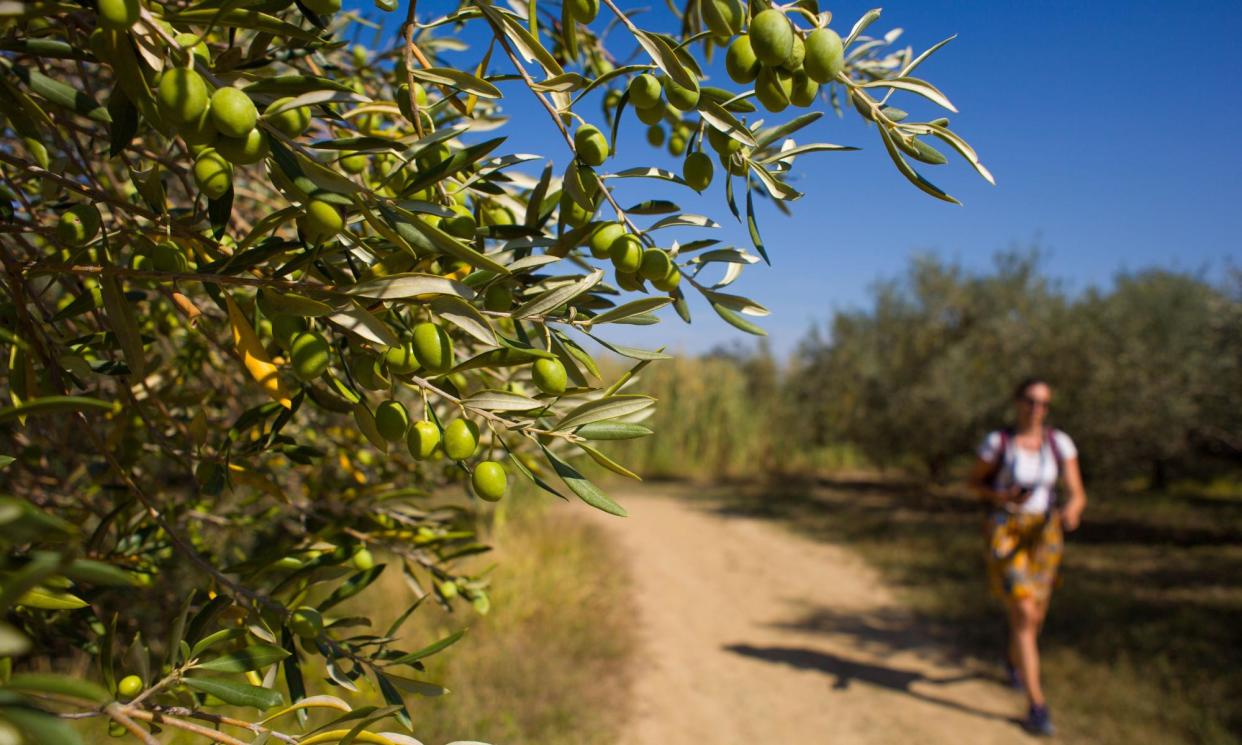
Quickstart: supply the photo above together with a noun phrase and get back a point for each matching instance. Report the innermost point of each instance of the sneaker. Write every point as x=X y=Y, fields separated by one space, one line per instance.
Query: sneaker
x=1039 y=721
x=1012 y=677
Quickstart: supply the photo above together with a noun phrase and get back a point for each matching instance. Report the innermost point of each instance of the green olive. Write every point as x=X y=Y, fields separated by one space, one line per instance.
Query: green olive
x=668 y=282
x=651 y=114
x=682 y=99
x=233 y=112
x=697 y=170
x=213 y=174
x=825 y=55
x=603 y=238
x=462 y=224
x=78 y=225
x=392 y=420
x=182 y=95
x=310 y=354
x=118 y=14
x=722 y=17
x=168 y=257
x=771 y=37
x=291 y=122
x=306 y=622
x=401 y=360
x=461 y=439
x=130 y=686
x=363 y=560
x=574 y=214
x=797 y=54
x=285 y=328
x=244 y=150
x=645 y=91
x=321 y=221
x=549 y=375
x=489 y=480
x=627 y=253
x=804 y=90
x=433 y=347
x=583 y=11
x=771 y=91
x=498 y=298
x=591 y=145
x=355 y=163
x=422 y=439
x=655 y=264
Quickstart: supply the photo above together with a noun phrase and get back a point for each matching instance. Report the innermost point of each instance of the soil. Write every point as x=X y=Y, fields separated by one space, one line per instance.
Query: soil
x=751 y=634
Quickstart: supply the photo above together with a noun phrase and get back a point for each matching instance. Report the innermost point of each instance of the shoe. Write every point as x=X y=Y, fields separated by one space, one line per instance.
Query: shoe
x=1012 y=677
x=1039 y=722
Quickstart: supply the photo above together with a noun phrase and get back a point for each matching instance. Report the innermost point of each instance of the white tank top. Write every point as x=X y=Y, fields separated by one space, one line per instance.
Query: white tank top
x=1034 y=469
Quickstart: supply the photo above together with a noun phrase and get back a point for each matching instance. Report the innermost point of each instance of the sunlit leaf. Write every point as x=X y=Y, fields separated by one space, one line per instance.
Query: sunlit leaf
x=582 y=486
x=235 y=692
x=604 y=408
x=250 y=658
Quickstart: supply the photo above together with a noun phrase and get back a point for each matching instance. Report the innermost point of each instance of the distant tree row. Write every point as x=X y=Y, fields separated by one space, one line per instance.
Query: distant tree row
x=1147 y=376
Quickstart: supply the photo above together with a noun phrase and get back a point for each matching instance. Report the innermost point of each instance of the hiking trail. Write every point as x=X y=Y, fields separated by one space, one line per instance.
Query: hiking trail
x=752 y=634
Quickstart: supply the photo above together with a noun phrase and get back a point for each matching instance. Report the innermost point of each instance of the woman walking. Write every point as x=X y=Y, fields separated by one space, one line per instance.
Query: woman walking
x=1016 y=475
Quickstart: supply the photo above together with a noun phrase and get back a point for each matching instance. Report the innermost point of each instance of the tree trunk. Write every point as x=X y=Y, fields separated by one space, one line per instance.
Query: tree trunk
x=1159 y=474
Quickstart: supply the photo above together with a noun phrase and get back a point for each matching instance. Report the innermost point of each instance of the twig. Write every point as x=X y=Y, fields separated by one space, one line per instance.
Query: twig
x=254 y=727
x=407 y=33
x=569 y=140
x=126 y=720
x=160 y=718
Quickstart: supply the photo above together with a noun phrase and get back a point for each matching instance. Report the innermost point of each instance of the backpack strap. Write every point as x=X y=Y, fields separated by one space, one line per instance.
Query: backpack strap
x=1056 y=449
x=1051 y=437
x=1006 y=436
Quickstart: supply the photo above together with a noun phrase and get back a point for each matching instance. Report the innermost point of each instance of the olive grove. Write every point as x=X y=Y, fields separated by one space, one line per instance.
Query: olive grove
x=266 y=292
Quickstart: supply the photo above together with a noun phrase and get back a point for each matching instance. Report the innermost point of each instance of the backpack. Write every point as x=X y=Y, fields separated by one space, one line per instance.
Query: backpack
x=1006 y=435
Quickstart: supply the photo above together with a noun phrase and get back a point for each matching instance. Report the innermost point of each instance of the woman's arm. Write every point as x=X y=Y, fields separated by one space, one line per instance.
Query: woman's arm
x=979 y=482
x=1071 y=513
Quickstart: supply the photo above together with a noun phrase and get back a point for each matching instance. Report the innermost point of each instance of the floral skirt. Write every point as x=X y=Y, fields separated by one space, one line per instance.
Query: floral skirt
x=1023 y=553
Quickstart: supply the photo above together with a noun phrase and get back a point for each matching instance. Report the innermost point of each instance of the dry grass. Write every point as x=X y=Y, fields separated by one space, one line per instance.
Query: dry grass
x=549 y=663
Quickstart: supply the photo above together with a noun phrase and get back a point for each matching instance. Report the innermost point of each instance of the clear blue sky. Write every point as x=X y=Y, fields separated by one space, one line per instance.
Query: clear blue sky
x=1110 y=128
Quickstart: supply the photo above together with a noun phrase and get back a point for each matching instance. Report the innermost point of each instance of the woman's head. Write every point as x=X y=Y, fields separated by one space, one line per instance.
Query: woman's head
x=1032 y=398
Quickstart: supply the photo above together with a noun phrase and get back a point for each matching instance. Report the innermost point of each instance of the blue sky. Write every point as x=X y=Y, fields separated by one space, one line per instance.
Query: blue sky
x=1109 y=127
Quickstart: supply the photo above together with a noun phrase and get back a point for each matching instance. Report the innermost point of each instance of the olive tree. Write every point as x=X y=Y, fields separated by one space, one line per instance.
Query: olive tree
x=1143 y=372
x=1161 y=357
x=267 y=292
x=920 y=375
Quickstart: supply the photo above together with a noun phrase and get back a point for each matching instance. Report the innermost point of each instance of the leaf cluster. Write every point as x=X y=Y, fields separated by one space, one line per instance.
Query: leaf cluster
x=265 y=294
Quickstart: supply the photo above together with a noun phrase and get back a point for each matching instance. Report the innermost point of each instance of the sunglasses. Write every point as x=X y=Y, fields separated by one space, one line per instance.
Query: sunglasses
x=1033 y=402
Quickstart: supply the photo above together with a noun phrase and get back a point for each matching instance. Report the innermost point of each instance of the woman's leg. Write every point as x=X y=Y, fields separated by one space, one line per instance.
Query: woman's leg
x=1042 y=611
x=1024 y=622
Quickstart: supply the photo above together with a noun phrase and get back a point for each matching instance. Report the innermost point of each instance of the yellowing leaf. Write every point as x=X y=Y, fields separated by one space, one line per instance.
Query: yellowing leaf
x=250 y=349
x=47 y=599
x=311 y=702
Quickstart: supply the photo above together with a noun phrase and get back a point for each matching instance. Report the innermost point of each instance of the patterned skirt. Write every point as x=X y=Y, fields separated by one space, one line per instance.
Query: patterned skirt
x=1023 y=553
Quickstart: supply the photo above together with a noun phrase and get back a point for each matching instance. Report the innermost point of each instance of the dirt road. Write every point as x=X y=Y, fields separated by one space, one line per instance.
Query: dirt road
x=754 y=635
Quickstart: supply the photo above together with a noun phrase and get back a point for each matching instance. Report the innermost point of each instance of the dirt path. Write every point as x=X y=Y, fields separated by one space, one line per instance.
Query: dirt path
x=754 y=635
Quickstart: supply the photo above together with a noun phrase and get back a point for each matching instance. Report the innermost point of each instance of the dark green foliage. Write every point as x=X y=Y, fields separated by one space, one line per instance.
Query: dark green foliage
x=1142 y=372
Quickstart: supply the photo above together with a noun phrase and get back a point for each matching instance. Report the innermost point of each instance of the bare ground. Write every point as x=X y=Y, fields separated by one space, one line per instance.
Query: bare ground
x=751 y=634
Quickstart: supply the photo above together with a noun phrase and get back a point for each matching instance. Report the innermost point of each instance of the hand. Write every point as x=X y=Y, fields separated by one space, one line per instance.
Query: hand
x=1014 y=494
x=1071 y=516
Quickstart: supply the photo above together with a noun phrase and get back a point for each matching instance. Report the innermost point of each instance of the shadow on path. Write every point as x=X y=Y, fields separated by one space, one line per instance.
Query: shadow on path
x=845 y=671
x=884 y=631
